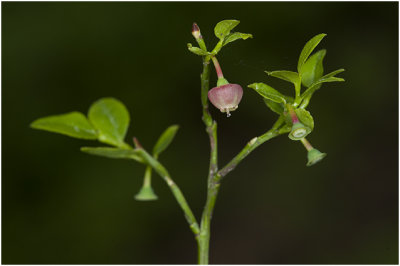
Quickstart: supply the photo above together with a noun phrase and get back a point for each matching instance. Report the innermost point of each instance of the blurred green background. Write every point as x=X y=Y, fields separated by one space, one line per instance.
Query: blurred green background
x=62 y=206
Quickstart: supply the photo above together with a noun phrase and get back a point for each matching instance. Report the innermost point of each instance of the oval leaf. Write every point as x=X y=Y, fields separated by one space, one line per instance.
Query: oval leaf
x=290 y=76
x=308 y=48
x=223 y=28
x=268 y=92
x=312 y=69
x=305 y=117
x=114 y=153
x=111 y=118
x=72 y=124
x=165 y=139
x=235 y=36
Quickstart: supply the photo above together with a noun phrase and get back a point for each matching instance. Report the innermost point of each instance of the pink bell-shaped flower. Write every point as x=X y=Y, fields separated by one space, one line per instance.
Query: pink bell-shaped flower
x=226 y=97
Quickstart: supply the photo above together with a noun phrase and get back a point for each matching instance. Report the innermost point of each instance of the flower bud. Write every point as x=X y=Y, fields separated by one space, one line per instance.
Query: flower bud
x=146 y=193
x=314 y=156
x=196 y=31
x=226 y=97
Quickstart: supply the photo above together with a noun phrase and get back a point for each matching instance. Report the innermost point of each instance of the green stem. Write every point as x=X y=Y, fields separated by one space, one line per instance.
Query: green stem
x=213 y=187
x=250 y=146
x=147 y=177
x=160 y=169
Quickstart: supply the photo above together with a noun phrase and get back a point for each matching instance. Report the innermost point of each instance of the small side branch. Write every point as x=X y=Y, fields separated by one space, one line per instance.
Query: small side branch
x=160 y=169
x=250 y=146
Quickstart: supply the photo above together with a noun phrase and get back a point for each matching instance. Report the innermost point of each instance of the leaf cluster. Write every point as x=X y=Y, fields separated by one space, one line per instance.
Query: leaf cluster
x=223 y=31
x=107 y=122
x=309 y=75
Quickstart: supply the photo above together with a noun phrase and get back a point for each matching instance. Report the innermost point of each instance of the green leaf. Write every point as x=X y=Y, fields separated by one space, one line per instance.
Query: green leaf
x=275 y=107
x=72 y=124
x=316 y=85
x=235 y=36
x=312 y=69
x=333 y=73
x=290 y=76
x=268 y=92
x=111 y=118
x=223 y=28
x=197 y=50
x=165 y=139
x=308 y=48
x=114 y=153
x=286 y=128
x=305 y=117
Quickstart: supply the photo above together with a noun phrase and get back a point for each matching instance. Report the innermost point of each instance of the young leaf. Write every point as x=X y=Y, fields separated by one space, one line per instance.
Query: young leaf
x=165 y=139
x=316 y=85
x=114 y=153
x=223 y=28
x=286 y=128
x=73 y=124
x=275 y=107
x=111 y=118
x=305 y=117
x=308 y=48
x=235 y=36
x=197 y=50
x=333 y=73
x=312 y=69
x=268 y=92
x=290 y=76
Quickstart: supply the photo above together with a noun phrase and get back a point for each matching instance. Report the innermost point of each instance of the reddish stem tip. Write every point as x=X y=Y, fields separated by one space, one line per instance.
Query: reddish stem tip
x=137 y=143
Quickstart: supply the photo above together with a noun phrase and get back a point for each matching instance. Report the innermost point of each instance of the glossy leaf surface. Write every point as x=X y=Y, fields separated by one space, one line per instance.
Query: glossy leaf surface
x=223 y=28
x=274 y=106
x=165 y=139
x=73 y=124
x=308 y=48
x=111 y=118
x=268 y=92
x=289 y=76
x=305 y=117
x=312 y=69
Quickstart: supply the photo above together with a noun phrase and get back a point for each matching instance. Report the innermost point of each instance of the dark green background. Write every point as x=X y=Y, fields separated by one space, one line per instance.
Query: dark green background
x=62 y=206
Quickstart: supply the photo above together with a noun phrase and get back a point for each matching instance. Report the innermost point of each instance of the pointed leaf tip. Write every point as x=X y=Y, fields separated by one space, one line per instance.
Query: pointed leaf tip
x=308 y=48
x=165 y=139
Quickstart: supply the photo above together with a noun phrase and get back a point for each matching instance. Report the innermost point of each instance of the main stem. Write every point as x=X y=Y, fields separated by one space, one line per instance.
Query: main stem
x=215 y=176
x=203 y=238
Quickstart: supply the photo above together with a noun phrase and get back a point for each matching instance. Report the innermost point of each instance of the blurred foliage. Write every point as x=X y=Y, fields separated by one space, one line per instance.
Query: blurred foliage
x=63 y=206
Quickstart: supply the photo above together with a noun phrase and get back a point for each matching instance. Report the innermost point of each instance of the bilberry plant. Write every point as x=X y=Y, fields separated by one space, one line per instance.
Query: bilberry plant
x=108 y=120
